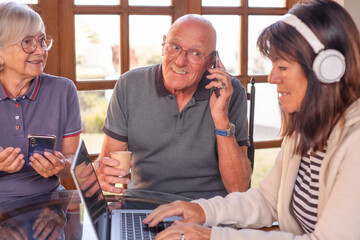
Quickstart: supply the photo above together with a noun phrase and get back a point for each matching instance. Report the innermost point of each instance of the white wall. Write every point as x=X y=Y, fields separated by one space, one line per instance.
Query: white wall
x=353 y=7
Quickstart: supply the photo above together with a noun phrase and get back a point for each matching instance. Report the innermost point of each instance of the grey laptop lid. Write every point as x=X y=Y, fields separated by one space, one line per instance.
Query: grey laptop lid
x=90 y=192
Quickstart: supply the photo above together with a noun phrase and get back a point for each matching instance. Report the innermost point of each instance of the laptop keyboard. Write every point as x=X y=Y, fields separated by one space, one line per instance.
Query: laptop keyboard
x=133 y=229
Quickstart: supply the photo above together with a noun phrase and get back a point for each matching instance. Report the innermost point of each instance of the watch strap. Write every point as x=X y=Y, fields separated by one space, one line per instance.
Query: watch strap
x=220 y=132
x=230 y=131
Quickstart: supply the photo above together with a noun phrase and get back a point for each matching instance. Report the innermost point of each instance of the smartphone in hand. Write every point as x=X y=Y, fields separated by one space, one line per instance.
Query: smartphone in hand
x=216 y=65
x=39 y=144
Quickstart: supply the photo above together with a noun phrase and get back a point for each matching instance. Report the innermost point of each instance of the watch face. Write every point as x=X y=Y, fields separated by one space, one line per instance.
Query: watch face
x=231 y=129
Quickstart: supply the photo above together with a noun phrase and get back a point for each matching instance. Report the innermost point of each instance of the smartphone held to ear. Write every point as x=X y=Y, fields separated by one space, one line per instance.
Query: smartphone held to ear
x=40 y=144
x=216 y=65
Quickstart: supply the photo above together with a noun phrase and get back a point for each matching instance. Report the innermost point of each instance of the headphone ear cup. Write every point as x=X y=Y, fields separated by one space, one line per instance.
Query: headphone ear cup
x=329 y=66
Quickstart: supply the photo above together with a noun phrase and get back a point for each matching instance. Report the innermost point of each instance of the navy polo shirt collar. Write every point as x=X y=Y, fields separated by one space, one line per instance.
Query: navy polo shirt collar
x=201 y=92
x=31 y=93
x=3 y=94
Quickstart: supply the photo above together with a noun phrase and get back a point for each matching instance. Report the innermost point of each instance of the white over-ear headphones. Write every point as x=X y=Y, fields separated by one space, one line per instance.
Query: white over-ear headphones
x=329 y=64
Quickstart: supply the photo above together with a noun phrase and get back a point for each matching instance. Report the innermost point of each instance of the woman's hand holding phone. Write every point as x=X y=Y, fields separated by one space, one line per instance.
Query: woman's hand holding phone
x=11 y=160
x=48 y=164
x=42 y=155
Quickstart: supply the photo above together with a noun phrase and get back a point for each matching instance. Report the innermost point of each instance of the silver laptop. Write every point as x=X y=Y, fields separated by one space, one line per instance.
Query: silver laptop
x=120 y=223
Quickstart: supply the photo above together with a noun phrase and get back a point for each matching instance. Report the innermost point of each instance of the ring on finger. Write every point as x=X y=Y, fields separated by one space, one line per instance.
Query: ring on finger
x=182 y=236
x=222 y=86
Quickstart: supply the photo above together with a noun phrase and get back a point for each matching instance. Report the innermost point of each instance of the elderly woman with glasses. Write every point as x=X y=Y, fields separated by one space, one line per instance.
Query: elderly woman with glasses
x=32 y=102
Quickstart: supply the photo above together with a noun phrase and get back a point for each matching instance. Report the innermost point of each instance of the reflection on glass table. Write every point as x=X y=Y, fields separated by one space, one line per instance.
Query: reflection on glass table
x=62 y=215
x=37 y=217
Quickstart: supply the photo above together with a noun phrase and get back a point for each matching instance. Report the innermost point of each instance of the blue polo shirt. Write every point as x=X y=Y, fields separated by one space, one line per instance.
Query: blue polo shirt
x=50 y=106
x=174 y=152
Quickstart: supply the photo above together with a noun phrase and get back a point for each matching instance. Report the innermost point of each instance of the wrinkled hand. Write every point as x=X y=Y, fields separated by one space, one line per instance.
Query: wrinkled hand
x=10 y=160
x=49 y=164
x=191 y=231
x=190 y=212
x=49 y=224
x=109 y=175
x=11 y=230
x=219 y=106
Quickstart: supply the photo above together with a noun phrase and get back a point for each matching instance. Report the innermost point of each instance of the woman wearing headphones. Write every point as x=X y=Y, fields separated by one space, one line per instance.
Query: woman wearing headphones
x=312 y=189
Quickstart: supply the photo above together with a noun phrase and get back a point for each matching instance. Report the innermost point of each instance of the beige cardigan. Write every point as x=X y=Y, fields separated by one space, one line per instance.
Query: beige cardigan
x=339 y=194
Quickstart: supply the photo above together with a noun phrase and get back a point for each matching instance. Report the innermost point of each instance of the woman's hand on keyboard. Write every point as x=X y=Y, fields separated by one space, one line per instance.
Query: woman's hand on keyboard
x=190 y=212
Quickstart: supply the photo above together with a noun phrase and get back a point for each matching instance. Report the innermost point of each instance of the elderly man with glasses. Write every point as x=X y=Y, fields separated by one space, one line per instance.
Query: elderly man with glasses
x=32 y=102
x=185 y=139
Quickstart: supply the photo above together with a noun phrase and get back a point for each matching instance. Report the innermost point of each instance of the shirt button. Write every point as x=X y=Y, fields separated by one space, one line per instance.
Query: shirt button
x=16 y=105
x=17 y=127
x=17 y=117
x=23 y=97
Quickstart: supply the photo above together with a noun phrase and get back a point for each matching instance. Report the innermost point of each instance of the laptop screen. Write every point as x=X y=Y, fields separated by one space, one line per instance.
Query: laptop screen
x=89 y=189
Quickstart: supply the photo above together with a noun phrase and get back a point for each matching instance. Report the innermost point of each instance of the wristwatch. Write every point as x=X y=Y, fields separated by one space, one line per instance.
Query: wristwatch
x=229 y=132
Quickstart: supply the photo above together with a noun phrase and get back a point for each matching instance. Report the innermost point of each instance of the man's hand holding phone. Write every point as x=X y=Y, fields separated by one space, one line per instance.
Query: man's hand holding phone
x=220 y=80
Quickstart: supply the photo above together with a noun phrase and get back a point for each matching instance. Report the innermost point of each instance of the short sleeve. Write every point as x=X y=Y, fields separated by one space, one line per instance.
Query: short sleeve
x=73 y=122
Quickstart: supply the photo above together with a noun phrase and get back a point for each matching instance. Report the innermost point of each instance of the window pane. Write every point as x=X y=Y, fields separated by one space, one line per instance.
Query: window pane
x=267 y=3
x=97 y=2
x=223 y=3
x=264 y=161
x=93 y=107
x=257 y=64
x=23 y=1
x=150 y=3
x=97 y=47
x=227 y=42
x=267 y=118
x=146 y=35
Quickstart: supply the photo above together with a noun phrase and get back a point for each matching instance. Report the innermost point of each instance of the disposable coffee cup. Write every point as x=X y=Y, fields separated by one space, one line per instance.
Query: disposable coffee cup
x=124 y=158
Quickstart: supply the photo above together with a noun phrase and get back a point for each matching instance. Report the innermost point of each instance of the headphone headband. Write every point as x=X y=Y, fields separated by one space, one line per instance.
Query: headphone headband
x=329 y=65
x=304 y=30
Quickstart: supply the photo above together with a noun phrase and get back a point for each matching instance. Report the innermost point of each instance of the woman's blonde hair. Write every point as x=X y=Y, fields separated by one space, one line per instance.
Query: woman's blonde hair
x=18 y=21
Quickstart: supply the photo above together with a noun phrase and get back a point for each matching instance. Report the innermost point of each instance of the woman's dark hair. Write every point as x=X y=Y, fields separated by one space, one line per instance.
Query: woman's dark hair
x=324 y=104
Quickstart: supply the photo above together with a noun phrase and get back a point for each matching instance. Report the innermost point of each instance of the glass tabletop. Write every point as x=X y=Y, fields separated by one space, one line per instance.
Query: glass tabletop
x=61 y=215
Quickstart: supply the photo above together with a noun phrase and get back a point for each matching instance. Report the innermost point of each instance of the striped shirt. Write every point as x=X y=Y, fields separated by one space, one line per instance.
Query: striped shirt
x=306 y=190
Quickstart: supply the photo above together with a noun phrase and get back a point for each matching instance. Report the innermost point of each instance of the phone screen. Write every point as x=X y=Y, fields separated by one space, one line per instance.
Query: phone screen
x=39 y=144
